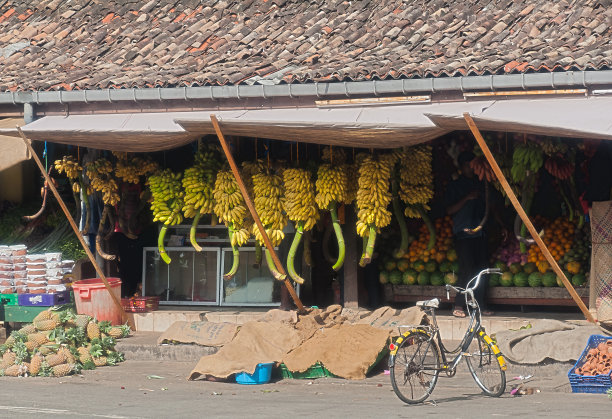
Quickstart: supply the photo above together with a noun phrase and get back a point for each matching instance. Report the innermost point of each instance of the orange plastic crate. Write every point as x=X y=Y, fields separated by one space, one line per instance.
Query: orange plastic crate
x=140 y=304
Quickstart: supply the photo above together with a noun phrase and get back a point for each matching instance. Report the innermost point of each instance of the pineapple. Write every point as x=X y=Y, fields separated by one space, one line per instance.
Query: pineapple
x=44 y=325
x=39 y=338
x=28 y=329
x=84 y=355
x=13 y=371
x=81 y=320
x=115 y=332
x=62 y=370
x=35 y=364
x=31 y=345
x=43 y=315
x=45 y=350
x=8 y=358
x=65 y=352
x=55 y=359
x=100 y=361
x=93 y=331
x=10 y=341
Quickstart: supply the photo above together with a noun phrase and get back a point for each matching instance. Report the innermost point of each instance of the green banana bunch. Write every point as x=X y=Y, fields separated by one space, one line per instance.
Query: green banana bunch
x=167 y=201
x=526 y=157
x=373 y=198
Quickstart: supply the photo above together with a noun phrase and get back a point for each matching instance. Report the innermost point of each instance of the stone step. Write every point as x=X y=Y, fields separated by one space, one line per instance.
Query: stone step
x=142 y=346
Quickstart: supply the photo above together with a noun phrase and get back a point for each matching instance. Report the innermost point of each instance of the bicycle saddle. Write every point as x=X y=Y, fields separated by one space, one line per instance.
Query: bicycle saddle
x=433 y=303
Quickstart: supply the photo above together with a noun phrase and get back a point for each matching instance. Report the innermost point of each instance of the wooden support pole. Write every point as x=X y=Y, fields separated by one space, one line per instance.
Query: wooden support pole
x=91 y=257
x=521 y=212
x=249 y=204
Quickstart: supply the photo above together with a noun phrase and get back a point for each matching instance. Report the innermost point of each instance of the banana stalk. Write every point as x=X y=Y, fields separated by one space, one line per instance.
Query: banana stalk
x=430 y=227
x=291 y=257
x=87 y=207
x=366 y=257
x=276 y=274
x=235 y=257
x=258 y=254
x=192 y=232
x=103 y=218
x=160 y=244
x=339 y=237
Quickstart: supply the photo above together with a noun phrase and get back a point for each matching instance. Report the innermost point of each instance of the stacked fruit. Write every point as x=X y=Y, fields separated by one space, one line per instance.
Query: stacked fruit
x=167 y=201
x=198 y=183
x=230 y=208
x=332 y=186
x=301 y=208
x=558 y=238
x=373 y=198
x=60 y=343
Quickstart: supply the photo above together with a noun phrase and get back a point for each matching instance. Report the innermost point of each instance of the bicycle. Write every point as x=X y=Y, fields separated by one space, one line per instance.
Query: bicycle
x=418 y=356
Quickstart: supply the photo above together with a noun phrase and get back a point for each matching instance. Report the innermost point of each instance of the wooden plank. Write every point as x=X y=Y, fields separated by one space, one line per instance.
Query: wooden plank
x=77 y=232
x=251 y=207
x=521 y=212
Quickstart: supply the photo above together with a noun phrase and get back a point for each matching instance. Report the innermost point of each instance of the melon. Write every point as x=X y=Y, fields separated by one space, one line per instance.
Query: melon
x=395 y=277
x=578 y=280
x=506 y=279
x=409 y=277
x=501 y=266
x=383 y=277
x=494 y=280
x=450 y=278
x=529 y=268
x=419 y=266
x=451 y=255
x=431 y=266
x=520 y=279
x=390 y=265
x=445 y=266
x=549 y=279
x=437 y=278
x=403 y=265
x=423 y=278
x=535 y=279
x=455 y=267
x=515 y=268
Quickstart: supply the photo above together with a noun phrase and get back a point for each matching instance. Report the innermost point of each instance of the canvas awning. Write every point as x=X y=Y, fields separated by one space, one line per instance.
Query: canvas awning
x=12 y=150
x=584 y=117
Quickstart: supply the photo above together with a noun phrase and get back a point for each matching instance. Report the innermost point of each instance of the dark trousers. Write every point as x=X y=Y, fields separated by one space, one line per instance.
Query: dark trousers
x=472 y=257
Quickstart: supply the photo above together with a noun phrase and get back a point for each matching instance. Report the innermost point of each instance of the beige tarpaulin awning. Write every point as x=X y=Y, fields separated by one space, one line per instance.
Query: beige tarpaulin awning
x=12 y=150
x=584 y=117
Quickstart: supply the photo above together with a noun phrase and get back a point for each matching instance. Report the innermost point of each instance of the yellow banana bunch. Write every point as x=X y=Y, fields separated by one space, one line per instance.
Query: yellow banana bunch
x=167 y=197
x=416 y=179
x=131 y=170
x=230 y=207
x=352 y=182
x=269 y=202
x=101 y=180
x=198 y=182
x=331 y=185
x=69 y=166
x=300 y=204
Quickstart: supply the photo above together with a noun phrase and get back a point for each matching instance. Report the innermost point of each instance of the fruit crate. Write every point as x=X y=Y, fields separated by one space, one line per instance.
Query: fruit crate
x=8 y=299
x=590 y=384
x=44 y=300
x=315 y=371
x=140 y=304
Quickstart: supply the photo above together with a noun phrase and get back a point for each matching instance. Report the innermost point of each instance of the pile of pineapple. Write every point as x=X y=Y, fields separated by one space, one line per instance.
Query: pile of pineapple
x=58 y=343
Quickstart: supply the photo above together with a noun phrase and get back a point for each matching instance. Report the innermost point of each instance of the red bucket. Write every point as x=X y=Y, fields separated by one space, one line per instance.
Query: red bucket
x=92 y=298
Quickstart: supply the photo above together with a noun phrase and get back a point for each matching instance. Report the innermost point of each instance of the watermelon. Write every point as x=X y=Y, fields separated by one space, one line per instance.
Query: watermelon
x=423 y=278
x=535 y=279
x=506 y=279
x=501 y=266
x=390 y=265
x=419 y=266
x=530 y=268
x=494 y=280
x=395 y=277
x=450 y=278
x=409 y=277
x=383 y=277
x=431 y=266
x=437 y=278
x=403 y=264
x=520 y=279
x=445 y=266
x=578 y=280
x=515 y=268
x=549 y=279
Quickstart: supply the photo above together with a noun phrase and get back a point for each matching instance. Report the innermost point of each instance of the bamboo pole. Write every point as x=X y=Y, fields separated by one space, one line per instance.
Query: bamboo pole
x=91 y=257
x=521 y=212
x=249 y=204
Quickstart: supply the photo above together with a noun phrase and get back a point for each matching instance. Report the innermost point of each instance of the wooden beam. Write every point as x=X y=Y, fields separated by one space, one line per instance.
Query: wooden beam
x=251 y=207
x=521 y=212
x=91 y=257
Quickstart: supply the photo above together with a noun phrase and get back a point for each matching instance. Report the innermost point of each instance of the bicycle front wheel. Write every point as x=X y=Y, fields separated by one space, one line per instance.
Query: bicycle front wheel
x=414 y=366
x=488 y=371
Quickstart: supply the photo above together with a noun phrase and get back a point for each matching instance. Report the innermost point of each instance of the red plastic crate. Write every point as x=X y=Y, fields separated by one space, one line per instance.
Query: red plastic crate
x=140 y=304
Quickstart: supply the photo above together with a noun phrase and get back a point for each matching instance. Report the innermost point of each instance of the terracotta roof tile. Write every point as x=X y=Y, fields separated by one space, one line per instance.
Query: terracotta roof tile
x=135 y=43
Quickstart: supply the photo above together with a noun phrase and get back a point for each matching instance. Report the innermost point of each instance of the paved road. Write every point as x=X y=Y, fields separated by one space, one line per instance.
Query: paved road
x=125 y=391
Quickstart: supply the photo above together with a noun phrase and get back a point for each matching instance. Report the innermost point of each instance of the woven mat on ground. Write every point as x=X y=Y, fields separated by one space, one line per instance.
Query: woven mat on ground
x=601 y=260
x=345 y=350
x=265 y=341
x=552 y=339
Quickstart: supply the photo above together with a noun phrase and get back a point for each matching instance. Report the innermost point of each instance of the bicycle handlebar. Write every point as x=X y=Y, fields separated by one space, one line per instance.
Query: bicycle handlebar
x=469 y=289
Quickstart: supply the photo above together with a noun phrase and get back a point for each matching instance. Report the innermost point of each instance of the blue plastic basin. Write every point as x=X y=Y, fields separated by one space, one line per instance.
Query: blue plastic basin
x=262 y=375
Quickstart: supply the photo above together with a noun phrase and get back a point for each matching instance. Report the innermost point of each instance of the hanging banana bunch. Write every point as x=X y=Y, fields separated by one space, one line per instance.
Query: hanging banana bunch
x=269 y=203
x=249 y=169
x=74 y=172
x=373 y=198
x=301 y=208
x=100 y=173
x=198 y=183
x=416 y=185
x=167 y=202
x=229 y=206
x=332 y=186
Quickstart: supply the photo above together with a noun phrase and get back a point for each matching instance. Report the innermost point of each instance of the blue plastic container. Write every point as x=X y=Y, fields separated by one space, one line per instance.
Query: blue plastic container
x=590 y=384
x=262 y=375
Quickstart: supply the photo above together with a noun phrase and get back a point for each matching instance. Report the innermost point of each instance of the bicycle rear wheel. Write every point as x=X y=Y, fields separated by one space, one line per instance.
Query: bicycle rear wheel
x=485 y=367
x=414 y=367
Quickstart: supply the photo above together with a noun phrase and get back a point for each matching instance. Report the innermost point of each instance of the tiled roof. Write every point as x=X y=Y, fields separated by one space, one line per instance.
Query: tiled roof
x=79 y=44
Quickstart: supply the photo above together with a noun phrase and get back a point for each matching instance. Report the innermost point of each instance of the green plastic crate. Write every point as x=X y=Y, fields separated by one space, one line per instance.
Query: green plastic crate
x=315 y=371
x=8 y=299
